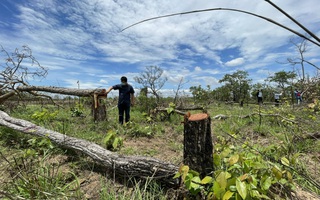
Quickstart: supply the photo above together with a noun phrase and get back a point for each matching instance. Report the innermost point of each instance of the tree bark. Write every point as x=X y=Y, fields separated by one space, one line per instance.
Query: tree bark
x=198 y=146
x=99 y=110
x=6 y=96
x=60 y=90
x=128 y=166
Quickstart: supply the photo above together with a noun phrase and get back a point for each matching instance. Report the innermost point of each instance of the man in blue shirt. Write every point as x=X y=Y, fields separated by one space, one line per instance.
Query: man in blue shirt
x=126 y=98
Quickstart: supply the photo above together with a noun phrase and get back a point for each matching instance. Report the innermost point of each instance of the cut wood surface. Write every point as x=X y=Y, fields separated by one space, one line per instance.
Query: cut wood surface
x=121 y=165
x=198 y=117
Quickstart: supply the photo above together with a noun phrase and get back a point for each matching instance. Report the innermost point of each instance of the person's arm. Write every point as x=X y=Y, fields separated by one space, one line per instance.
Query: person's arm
x=109 y=89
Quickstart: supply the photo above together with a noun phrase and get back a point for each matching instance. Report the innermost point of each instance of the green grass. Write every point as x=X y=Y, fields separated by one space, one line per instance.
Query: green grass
x=274 y=136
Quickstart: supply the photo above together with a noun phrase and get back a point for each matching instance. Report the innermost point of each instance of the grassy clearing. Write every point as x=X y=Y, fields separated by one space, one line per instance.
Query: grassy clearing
x=275 y=133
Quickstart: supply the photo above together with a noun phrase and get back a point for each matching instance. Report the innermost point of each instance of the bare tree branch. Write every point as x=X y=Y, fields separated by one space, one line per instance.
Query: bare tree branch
x=295 y=21
x=227 y=9
x=13 y=73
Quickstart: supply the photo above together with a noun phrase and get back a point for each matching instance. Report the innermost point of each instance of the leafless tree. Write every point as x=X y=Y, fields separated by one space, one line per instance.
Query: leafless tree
x=176 y=92
x=302 y=49
x=301 y=46
x=152 y=79
x=17 y=69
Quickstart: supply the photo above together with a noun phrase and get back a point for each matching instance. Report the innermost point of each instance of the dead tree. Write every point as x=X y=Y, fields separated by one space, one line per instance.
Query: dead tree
x=13 y=73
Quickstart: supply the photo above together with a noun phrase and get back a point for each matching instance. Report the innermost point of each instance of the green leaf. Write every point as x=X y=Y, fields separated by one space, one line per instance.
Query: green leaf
x=277 y=172
x=222 y=180
x=177 y=175
x=216 y=160
x=188 y=181
x=258 y=165
x=170 y=110
x=195 y=182
x=172 y=105
x=227 y=195
x=289 y=176
x=206 y=180
x=254 y=193
x=108 y=137
x=285 y=161
x=225 y=153
x=241 y=188
x=217 y=190
x=233 y=159
x=115 y=143
x=196 y=179
x=233 y=188
x=194 y=173
x=184 y=169
x=266 y=183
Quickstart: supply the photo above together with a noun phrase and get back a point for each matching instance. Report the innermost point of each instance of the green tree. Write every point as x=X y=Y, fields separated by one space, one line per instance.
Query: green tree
x=145 y=103
x=222 y=93
x=283 y=79
x=201 y=95
x=238 y=83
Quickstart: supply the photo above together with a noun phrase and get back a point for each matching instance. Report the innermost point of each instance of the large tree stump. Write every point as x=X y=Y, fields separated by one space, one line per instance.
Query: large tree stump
x=198 y=146
x=98 y=109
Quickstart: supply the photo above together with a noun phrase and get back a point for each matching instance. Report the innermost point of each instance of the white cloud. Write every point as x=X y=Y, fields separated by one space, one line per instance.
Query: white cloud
x=197 y=69
x=82 y=39
x=235 y=62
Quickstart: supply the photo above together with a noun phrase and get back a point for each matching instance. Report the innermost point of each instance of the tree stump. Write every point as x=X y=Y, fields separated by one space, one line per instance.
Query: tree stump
x=98 y=109
x=198 y=146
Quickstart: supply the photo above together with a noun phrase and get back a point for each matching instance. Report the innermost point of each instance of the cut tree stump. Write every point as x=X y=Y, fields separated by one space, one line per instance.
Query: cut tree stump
x=99 y=110
x=198 y=146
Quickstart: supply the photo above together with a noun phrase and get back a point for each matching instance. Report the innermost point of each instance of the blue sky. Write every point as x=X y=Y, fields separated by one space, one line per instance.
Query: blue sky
x=82 y=40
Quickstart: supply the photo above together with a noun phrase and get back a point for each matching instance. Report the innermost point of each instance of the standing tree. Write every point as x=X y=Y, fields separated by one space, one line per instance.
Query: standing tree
x=152 y=79
x=201 y=95
x=238 y=82
x=222 y=93
x=282 y=78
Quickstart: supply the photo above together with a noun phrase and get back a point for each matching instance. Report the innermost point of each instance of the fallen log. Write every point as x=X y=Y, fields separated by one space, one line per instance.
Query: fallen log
x=121 y=165
x=60 y=90
x=98 y=111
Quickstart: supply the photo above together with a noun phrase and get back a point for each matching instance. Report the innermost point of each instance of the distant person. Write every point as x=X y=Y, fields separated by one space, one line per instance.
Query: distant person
x=277 y=98
x=126 y=98
x=259 y=96
x=298 y=96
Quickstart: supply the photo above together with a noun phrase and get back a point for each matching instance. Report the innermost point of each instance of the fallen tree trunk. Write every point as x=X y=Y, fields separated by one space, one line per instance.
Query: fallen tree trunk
x=128 y=166
x=6 y=96
x=98 y=111
x=60 y=90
